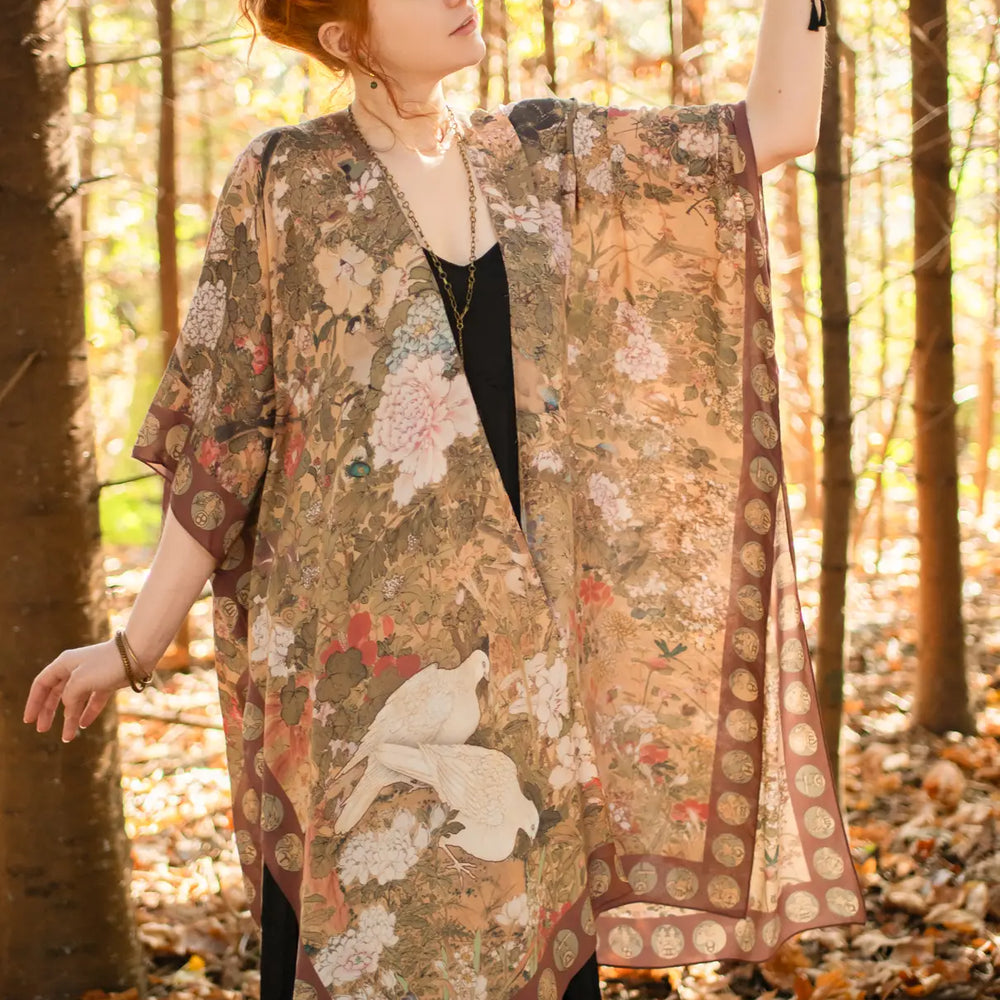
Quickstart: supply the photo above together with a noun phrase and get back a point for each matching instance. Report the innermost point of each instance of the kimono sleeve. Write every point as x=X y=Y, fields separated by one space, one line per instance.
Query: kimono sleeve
x=661 y=155
x=209 y=427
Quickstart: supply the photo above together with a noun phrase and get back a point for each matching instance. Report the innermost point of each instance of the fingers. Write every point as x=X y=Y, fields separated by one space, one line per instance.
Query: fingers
x=94 y=707
x=74 y=698
x=46 y=690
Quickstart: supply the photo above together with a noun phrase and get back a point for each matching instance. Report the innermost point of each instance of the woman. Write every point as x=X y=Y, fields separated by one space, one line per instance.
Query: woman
x=493 y=544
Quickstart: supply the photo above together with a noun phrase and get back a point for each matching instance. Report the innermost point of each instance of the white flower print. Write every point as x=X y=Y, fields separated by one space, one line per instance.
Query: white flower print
x=362 y=188
x=418 y=418
x=629 y=317
x=698 y=143
x=271 y=641
x=548 y=460
x=604 y=493
x=513 y=913
x=206 y=315
x=384 y=856
x=526 y=217
x=642 y=360
x=573 y=352
x=356 y=952
x=600 y=178
x=346 y=272
x=202 y=391
x=576 y=759
x=585 y=133
x=549 y=701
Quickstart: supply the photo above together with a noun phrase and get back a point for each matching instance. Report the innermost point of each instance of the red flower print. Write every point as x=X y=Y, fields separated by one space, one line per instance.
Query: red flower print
x=359 y=628
x=594 y=592
x=689 y=811
x=653 y=753
x=296 y=446
x=388 y=626
x=209 y=452
x=261 y=358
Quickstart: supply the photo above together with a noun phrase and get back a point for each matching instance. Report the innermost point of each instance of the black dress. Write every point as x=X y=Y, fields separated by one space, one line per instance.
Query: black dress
x=490 y=370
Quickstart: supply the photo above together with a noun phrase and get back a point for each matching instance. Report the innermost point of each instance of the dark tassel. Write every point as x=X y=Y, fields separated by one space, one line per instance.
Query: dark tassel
x=817 y=19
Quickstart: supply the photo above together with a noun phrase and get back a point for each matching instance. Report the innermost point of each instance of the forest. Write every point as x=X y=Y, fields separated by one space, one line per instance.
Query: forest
x=120 y=122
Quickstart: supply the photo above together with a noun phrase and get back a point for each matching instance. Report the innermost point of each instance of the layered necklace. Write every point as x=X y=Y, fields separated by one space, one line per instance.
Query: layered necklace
x=459 y=314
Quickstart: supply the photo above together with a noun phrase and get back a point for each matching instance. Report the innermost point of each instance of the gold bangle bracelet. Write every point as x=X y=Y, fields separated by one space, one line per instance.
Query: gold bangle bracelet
x=135 y=683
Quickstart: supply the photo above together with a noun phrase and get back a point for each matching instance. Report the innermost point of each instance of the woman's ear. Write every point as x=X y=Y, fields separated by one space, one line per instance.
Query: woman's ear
x=333 y=38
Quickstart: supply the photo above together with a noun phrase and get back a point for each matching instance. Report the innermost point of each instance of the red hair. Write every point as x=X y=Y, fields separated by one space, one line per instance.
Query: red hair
x=296 y=23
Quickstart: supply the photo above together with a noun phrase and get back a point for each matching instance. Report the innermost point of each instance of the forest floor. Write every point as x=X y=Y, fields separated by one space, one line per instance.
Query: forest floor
x=923 y=813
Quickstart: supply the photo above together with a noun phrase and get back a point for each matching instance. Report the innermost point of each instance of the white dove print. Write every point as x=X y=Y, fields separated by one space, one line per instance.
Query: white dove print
x=480 y=784
x=432 y=706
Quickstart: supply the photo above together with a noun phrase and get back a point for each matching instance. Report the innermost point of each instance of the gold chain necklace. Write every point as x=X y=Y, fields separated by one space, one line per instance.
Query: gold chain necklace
x=408 y=212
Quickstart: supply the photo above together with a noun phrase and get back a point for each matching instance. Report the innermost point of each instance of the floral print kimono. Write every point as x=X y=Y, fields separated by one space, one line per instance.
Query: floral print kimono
x=470 y=753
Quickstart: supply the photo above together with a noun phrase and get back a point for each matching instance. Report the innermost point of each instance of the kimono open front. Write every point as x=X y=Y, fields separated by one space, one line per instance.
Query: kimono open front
x=463 y=750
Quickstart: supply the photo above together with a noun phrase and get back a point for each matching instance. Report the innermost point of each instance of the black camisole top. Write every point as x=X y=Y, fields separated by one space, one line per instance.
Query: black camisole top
x=487 y=356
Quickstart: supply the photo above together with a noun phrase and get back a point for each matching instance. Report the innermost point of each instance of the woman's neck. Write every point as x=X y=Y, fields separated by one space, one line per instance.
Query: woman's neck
x=383 y=124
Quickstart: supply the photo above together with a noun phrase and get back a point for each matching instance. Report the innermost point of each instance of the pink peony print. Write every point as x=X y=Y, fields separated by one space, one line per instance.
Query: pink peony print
x=418 y=418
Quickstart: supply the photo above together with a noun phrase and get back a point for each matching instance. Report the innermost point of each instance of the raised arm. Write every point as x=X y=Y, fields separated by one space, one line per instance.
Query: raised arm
x=786 y=85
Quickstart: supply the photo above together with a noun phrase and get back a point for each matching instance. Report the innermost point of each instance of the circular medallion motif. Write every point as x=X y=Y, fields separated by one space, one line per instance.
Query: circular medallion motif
x=642 y=877
x=728 y=850
x=763 y=337
x=253 y=722
x=245 y=848
x=251 y=806
x=249 y=890
x=819 y=822
x=682 y=883
x=828 y=863
x=746 y=644
x=803 y=740
x=289 y=852
x=600 y=877
x=258 y=763
x=234 y=555
x=753 y=559
x=741 y=725
x=789 y=615
x=207 y=510
x=770 y=930
x=843 y=902
x=271 y=812
x=148 y=431
x=801 y=906
x=737 y=766
x=745 y=934
x=175 y=440
x=762 y=383
x=587 y=922
x=225 y=616
x=750 y=602
x=793 y=656
x=565 y=948
x=796 y=699
x=625 y=941
x=547 y=989
x=758 y=516
x=181 y=482
x=667 y=941
x=744 y=685
x=709 y=937
x=763 y=474
x=723 y=892
x=810 y=781
x=733 y=808
x=764 y=429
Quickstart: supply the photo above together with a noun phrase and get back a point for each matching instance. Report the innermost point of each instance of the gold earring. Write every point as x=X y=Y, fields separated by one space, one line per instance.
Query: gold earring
x=374 y=83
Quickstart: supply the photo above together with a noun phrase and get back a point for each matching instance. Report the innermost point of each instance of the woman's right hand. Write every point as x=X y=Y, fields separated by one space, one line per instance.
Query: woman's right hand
x=83 y=679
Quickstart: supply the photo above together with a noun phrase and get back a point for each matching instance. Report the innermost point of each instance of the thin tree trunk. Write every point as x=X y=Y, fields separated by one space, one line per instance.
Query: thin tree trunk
x=65 y=920
x=505 y=50
x=675 y=26
x=485 y=68
x=692 y=39
x=987 y=364
x=166 y=217
x=800 y=407
x=838 y=475
x=942 y=701
x=549 y=35
x=90 y=107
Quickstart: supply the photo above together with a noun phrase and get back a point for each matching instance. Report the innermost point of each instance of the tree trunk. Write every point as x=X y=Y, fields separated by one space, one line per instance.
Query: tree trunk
x=90 y=105
x=549 y=35
x=800 y=406
x=65 y=919
x=942 y=701
x=504 y=50
x=838 y=475
x=166 y=224
x=485 y=68
x=692 y=39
